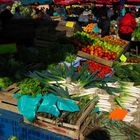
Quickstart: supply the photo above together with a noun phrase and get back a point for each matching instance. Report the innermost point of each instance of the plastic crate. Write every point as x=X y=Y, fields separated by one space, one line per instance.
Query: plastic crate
x=12 y=124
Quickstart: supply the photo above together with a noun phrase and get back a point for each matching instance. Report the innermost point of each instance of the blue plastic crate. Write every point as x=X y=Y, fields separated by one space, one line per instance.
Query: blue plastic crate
x=12 y=124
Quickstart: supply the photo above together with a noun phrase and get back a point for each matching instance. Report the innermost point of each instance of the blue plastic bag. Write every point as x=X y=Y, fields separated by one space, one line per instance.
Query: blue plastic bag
x=49 y=105
x=96 y=29
x=67 y=105
x=27 y=106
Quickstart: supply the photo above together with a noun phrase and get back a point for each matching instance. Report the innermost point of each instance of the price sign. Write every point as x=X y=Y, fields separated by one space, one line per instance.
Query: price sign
x=70 y=24
x=118 y=114
x=123 y=58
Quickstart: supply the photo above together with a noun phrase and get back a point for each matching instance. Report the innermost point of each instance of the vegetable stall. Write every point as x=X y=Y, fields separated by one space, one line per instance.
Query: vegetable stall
x=81 y=93
x=70 y=81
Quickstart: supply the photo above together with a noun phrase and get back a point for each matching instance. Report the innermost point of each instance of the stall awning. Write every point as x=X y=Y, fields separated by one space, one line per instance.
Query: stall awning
x=66 y=2
x=6 y=1
x=69 y=2
x=133 y=1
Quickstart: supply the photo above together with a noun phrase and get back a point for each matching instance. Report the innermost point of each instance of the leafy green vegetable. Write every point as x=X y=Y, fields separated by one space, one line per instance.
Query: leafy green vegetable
x=70 y=58
x=31 y=87
x=136 y=34
x=5 y=82
x=129 y=72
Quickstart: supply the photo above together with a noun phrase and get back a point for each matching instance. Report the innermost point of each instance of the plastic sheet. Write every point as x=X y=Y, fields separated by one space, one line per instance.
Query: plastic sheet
x=67 y=105
x=27 y=106
x=49 y=105
x=52 y=104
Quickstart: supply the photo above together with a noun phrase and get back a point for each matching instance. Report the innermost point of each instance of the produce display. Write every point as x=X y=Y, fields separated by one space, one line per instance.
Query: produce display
x=100 y=52
x=69 y=117
x=133 y=60
x=114 y=40
x=129 y=72
x=91 y=40
x=103 y=71
x=89 y=27
x=136 y=34
x=62 y=92
x=84 y=88
x=30 y=87
x=68 y=77
x=24 y=10
x=138 y=21
x=5 y=82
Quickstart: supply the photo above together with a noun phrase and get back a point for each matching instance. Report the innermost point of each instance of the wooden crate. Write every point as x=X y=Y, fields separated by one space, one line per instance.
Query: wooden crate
x=57 y=18
x=69 y=130
x=95 y=58
x=137 y=117
x=114 y=41
x=101 y=60
x=7 y=102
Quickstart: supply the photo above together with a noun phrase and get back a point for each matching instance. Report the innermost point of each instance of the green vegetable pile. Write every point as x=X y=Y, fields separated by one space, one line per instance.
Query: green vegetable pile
x=5 y=82
x=136 y=34
x=87 y=39
x=30 y=87
x=128 y=73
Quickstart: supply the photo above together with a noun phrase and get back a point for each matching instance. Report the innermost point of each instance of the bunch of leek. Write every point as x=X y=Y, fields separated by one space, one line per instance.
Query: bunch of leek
x=104 y=103
x=77 y=83
x=128 y=99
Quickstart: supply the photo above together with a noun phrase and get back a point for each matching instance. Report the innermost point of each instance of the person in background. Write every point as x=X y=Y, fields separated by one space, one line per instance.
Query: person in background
x=110 y=13
x=34 y=13
x=17 y=13
x=104 y=25
x=6 y=15
x=126 y=25
x=83 y=19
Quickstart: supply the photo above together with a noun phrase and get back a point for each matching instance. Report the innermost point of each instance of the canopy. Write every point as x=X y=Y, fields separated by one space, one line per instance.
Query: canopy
x=66 y=2
x=69 y=2
x=6 y=1
x=133 y=1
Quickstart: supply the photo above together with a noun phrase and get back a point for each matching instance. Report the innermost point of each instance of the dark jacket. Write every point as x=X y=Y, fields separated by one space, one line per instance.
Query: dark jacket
x=5 y=16
x=104 y=25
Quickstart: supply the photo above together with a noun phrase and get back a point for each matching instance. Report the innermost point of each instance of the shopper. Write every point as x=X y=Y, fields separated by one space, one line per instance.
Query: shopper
x=83 y=19
x=126 y=25
x=6 y=15
x=104 y=25
x=17 y=14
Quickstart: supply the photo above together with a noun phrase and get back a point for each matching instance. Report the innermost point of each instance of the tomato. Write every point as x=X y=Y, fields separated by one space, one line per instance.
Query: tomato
x=114 y=56
x=91 y=52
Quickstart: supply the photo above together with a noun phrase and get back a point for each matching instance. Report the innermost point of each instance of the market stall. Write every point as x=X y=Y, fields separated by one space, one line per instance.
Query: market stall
x=70 y=82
